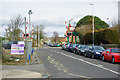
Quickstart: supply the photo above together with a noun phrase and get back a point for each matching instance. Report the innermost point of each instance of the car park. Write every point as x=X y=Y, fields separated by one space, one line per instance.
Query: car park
x=94 y=51
x=111 y=54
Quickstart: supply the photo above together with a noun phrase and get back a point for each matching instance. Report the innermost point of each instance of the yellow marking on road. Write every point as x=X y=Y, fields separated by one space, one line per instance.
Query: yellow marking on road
x=61 y=67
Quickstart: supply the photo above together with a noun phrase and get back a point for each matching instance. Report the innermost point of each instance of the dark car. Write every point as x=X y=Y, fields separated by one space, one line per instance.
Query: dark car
x=82 y=49
x=74 y=48
x=68 y=47
x=8 y=46
x=94 y=51
x=78 y=48
x=64 y=46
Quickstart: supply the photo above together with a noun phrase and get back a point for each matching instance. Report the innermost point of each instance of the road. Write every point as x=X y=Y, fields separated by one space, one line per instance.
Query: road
x=63 y=64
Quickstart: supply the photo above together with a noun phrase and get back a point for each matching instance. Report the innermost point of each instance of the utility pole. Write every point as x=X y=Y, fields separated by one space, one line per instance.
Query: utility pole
x=84 y=33
x=30 y=12
x=93 y=21
x=25 y=28
x=37 y=35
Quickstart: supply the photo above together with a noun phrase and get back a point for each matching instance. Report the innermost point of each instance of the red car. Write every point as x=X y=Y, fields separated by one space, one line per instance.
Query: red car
x=111 y=54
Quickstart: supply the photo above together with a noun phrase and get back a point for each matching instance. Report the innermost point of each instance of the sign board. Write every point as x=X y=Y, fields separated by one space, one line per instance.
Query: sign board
x=71 y=28
x=17 y=49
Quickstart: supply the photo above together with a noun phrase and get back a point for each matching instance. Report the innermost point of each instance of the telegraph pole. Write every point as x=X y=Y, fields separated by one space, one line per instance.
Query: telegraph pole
x=30 y=12
x=25 y=28
x=38 y=35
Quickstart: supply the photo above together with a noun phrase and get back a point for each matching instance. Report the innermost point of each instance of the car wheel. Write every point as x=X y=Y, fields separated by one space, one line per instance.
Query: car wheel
x=113 y=60
x=79 y=53
x=103 y=58
x=93 y=56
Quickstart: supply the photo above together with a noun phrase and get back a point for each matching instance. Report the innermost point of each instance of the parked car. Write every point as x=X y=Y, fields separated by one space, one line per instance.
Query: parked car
x=78 y=48
x=94 y=51
x=8 y=45
x=64 y=46
x=56 y=45
x=51 y=44
x=45 y=43
x=68 y=46
x=111 y=54
x=82 y=49
x=74 y=48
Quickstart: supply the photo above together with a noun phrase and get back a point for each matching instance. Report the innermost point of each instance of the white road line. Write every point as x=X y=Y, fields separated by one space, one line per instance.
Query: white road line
x=99 y=66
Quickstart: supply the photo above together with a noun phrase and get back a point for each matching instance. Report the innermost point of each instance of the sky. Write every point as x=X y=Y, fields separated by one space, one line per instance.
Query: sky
x=53 y=13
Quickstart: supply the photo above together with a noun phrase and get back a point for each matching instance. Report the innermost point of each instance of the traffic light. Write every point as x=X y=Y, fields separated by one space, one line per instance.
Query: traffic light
x=25 y=35
x=68 y=34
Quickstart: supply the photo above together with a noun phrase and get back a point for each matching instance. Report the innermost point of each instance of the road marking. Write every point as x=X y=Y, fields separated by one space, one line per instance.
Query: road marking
x=99 y=66
x=60 y=67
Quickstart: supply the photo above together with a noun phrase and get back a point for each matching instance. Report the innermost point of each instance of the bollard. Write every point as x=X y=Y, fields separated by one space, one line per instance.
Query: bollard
x=32 y=51
x=29 y=57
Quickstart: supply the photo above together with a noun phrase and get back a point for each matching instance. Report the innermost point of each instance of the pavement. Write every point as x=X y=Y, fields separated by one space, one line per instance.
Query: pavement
x=33 y=69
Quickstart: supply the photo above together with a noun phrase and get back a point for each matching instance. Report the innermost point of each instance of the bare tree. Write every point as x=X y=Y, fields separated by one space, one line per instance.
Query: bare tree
x=55 y=36
x=13 y=31
x=114 y=23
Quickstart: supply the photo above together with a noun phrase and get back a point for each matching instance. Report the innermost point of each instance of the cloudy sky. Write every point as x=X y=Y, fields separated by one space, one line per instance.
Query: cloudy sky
x=53 y=13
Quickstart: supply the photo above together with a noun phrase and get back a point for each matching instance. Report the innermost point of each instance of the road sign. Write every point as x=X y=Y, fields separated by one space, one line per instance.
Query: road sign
x=17 y=49
x=71 y=28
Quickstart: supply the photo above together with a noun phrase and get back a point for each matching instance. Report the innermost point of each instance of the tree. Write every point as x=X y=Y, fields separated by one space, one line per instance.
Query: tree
x=84 y=25
x=55 y=36
x=39 y=32
x=13 y=31
x=87 y=20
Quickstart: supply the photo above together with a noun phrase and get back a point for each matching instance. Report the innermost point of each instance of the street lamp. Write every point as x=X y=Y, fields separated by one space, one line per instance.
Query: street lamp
x=30 y=12
x=93 y=21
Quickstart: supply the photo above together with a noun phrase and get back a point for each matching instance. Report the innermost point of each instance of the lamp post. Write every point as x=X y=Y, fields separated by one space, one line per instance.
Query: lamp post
x=93 y=21
x=30 y=12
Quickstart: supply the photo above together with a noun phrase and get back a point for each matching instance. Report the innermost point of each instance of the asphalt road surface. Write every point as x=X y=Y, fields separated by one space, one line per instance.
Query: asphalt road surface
x=62 y=64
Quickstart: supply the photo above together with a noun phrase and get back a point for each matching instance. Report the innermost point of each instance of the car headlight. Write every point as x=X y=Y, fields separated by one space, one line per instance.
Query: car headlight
x=97 y=53
x=82 y=51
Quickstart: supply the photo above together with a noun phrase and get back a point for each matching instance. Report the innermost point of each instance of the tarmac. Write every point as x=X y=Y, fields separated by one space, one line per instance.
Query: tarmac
x=28 y=70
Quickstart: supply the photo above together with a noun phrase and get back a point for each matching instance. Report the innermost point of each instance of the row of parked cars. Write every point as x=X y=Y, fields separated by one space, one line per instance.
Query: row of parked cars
x=110 y=54
x=53 y=44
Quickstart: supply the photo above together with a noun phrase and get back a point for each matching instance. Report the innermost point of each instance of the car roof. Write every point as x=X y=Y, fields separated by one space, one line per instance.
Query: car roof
x=113 y=48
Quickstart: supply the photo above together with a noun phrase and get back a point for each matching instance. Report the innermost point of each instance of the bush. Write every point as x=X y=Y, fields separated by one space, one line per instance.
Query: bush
x=105 y=36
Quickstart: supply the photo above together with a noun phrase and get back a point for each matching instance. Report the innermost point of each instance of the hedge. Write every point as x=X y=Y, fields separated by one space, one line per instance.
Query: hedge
x=104 y=36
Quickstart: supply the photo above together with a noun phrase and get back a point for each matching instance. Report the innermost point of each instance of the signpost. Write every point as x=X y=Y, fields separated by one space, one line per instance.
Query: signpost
x=17 y=49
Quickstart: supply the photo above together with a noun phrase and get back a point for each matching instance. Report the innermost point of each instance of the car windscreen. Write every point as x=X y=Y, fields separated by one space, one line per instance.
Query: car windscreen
x=115 y=50
x=98 y=48
x=74 y=45
x=84 y=47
